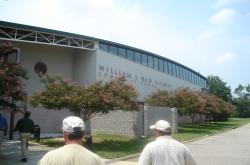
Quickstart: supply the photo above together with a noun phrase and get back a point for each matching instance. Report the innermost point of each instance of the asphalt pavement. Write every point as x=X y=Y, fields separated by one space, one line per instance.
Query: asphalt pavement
x=228 y=148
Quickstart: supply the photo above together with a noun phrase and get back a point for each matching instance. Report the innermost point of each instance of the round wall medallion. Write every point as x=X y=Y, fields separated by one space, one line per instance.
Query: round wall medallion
x=40 y=68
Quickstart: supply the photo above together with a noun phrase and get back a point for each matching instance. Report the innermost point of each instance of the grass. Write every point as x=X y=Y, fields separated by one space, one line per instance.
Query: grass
x=113 y=146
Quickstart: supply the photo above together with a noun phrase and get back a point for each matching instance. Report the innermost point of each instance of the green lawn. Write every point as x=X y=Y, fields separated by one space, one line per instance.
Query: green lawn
x=113 y=146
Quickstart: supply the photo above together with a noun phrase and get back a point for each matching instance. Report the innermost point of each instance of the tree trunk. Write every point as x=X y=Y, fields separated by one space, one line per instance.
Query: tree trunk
x=88 y=134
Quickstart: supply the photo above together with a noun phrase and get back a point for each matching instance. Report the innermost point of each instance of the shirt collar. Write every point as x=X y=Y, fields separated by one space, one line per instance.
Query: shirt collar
x=164 y=137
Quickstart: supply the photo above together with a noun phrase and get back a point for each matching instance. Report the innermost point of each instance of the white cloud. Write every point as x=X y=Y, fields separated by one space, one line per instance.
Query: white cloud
x=226 y=57
x=223 y=16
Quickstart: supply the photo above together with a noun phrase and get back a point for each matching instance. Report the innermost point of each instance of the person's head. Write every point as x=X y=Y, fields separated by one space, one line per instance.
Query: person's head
x=161 y=128
x=27 y=114
x=73 y=129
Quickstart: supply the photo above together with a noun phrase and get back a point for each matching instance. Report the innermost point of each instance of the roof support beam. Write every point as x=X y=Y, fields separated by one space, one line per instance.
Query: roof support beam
x=24 y=35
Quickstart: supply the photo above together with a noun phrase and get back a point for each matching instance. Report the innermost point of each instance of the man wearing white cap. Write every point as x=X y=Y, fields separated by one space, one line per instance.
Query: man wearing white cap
x=72 y=153
x=165 y=150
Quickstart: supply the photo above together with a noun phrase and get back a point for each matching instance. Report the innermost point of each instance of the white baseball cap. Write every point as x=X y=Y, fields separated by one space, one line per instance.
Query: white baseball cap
x=72 y=122
x=161 y=125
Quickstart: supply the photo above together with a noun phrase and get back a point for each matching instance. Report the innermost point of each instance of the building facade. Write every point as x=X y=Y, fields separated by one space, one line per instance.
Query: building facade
x=86 y=60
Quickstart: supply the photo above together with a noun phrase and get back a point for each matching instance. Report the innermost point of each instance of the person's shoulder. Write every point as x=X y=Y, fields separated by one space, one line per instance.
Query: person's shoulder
x=96 y=159
x=53 y=153
x=90 y=153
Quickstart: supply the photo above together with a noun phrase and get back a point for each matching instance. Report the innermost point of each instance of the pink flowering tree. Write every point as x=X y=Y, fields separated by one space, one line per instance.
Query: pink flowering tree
x=189 y=102
x=98 y=98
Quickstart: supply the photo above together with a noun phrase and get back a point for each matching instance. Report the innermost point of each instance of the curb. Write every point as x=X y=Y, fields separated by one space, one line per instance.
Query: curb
x=122 y=158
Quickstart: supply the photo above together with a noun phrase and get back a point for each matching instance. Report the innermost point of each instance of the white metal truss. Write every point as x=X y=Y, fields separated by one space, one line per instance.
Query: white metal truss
x=32 y=36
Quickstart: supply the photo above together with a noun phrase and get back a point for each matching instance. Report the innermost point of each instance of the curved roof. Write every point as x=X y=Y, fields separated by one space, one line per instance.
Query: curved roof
x=77 y=40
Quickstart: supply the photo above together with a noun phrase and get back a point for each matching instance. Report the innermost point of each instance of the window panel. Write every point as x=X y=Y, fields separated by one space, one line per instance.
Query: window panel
x=174 y=70
x=161 y=65
x=144 y=59
x=130 y=55
x=165 y=66
x=170 y=68
x=138 y=57
x=150 y=62
x=156 y=63
x=122 y=52
x=104 y=47
x=113 y=49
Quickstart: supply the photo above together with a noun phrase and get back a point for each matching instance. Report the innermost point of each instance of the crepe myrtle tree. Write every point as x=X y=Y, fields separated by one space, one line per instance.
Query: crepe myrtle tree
x=160 y=98
x=189 y=102
x=98 y=98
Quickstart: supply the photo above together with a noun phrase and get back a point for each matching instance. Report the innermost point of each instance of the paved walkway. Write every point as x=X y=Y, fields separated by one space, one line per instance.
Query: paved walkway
x=229 y=148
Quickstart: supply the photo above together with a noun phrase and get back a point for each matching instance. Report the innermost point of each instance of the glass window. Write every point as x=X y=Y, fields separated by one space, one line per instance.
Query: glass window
x=170 y=68
x=161 y=65
x=181 y=73
x=156 y=63
x=113 y=49
x=122 y=52
x=174 y=69
x=138 y=57
x=192 y=77
x=130 y=55
x=144 y=59
x=178 y=71
x=150 y=62
x=104 y=47
x=165 y=66
x=186 y=74
x=189 y=76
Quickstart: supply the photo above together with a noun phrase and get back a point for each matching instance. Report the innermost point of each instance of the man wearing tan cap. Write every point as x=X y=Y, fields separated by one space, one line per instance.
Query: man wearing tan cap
x=72 y=153
x=165 y=150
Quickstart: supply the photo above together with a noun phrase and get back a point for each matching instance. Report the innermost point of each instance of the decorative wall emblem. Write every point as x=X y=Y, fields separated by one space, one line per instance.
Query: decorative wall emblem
x=40 y=69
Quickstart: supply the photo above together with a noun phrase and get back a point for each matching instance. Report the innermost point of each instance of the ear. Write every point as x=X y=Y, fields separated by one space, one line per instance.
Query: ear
x=65 y=136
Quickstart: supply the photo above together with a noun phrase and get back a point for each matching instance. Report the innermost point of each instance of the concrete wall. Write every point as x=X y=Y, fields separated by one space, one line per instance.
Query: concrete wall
x=118 y=123
x=143 y=78
x=133 y=124
x=153 y=114
x=84 y=67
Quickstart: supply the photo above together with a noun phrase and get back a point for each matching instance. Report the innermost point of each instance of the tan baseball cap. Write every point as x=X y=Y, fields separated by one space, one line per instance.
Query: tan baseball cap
x=161 y=125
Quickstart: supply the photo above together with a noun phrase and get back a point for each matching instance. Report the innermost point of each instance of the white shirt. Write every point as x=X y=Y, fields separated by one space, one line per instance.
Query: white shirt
x=71 y=154
x=166 y=151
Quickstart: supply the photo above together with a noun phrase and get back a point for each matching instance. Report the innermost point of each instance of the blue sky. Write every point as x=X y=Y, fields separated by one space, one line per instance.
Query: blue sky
x=209 y=36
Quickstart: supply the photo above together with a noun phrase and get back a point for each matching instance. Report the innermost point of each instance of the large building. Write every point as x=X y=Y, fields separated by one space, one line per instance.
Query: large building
x=86 y=60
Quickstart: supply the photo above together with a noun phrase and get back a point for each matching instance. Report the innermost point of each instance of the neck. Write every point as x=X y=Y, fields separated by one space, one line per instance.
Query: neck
x=73 y=142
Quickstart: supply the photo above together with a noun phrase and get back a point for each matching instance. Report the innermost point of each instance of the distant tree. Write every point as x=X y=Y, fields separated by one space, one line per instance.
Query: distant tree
x=239 y=91
x=242 y=101
x=219 y=88
x=247 y=87
x=160 y=98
